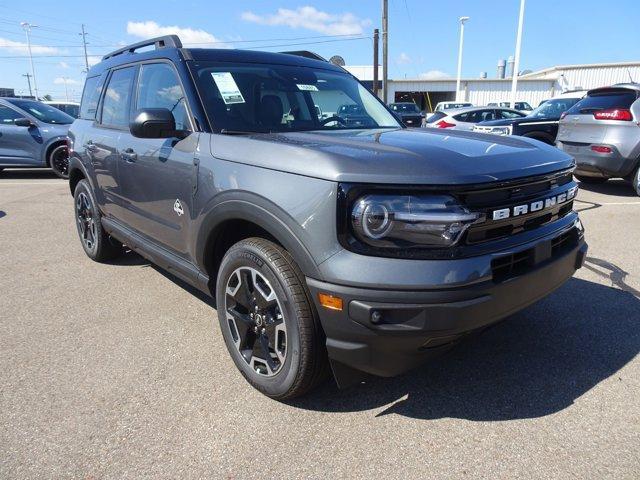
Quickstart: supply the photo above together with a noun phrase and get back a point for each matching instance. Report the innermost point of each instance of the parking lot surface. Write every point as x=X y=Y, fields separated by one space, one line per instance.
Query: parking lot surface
x=120 y=371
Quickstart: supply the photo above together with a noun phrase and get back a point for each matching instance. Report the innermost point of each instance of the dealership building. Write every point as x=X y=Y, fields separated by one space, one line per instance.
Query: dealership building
x=533 y=87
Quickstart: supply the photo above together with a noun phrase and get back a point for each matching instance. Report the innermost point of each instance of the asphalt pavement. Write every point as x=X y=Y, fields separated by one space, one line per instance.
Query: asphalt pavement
x=120 y=371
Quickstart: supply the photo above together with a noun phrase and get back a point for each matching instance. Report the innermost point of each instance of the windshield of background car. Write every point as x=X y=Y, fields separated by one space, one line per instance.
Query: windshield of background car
x=604 y=100
x=280 y=98
x=44 y=113
x=404 y=107
x=553 y=108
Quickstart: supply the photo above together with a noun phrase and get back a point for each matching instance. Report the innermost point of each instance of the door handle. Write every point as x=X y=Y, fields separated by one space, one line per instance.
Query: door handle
x=129 y=155
x=89 y=146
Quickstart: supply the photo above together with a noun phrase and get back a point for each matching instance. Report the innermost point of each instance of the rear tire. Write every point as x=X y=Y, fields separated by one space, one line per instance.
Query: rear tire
x=97 y=244
x=635 y=181
x=591 y=180
x=268 y=320
x=59 y=161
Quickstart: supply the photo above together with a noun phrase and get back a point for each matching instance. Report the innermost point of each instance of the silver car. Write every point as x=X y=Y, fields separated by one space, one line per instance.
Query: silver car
x=601 y=132
x=466 y=118
x=33 y=134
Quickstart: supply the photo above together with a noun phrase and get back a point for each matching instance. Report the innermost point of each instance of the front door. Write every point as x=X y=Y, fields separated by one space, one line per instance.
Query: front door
x=155 y=175
x=18 y=145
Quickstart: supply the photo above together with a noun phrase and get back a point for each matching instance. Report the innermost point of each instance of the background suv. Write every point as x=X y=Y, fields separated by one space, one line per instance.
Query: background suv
x=408 y=112
x=356 y=246
x=33 y=134
x=602 y=133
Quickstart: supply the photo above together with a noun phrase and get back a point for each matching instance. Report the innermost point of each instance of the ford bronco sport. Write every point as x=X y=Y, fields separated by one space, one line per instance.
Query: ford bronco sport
x=364 y=248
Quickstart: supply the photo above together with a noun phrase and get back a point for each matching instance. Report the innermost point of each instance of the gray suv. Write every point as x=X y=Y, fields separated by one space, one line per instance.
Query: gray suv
x=33 y=134
x=328 y=245
x=601 y=131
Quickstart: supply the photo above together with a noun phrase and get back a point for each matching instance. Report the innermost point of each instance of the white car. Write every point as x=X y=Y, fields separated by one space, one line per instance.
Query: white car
x=466 y=118
x=442 y=106
x=520 y=106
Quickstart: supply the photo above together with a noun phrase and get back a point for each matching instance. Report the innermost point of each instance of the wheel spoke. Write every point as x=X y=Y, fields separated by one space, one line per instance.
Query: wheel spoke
x=264 y=343
x=241 y=318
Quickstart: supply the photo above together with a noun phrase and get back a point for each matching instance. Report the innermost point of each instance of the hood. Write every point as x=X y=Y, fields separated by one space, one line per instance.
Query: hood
x=53 y=130
x=398 y=156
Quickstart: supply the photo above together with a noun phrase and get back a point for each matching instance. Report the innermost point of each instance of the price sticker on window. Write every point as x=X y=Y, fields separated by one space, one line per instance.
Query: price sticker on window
x=228 y=87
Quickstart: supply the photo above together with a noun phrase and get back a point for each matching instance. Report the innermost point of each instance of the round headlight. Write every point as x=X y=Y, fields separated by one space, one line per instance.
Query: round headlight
x=375 y=220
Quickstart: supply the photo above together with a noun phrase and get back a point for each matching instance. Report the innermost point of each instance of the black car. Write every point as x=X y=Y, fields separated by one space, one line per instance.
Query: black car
x=541 y=123
x=408 y=112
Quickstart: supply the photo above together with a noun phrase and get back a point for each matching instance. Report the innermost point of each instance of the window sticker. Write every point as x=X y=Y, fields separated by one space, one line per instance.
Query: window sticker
x=228 y=87
x=308 y=88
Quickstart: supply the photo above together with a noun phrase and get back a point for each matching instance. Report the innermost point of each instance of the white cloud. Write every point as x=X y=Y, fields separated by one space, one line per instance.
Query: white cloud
x=151 y=29
x=403 y=59
x=311 y=19
x=93 y=59
x=70 y=81
x=63 y=65
x=21 y=47
x=434 y=75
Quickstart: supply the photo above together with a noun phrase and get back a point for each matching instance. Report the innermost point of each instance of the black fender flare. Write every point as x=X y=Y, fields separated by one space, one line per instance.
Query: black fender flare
x=76 y=164
x=263 y=213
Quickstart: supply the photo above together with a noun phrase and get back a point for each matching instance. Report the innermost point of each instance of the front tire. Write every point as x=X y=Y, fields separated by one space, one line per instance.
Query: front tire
x=268 y=321
x=591 y=180
x=96 y=243
x=59 y=161
x=635 y=181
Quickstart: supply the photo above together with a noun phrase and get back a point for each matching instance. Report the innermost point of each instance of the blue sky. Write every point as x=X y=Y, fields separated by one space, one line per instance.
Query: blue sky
x=423 y=34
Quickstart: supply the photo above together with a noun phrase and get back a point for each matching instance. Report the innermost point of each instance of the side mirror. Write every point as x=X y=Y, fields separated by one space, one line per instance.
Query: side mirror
x=154 y=123
x=23 y=122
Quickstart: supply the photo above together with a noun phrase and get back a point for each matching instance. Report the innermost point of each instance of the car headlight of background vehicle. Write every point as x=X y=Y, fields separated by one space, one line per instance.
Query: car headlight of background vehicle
x=409 y=221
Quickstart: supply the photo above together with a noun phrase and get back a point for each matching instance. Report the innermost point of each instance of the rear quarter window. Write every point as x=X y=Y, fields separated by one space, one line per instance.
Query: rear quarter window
x=605 y=100
x=435 y=117
x=90 y=96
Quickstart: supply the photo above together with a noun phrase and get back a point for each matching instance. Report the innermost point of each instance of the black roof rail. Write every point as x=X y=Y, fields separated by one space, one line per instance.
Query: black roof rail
x=306 y=54
x=159 y=42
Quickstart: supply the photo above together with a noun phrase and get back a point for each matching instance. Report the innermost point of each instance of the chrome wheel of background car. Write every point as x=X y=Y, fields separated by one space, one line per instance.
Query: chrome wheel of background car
x=59 y=161
x=256 y=322
x=86 y=221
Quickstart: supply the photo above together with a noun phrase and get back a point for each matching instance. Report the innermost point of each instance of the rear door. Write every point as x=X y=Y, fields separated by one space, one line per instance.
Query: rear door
x=587 y=121
x=18 y=145
x=156 y=175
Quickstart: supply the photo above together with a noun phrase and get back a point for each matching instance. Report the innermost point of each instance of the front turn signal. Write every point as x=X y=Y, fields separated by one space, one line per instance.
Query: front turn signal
x=330 y=302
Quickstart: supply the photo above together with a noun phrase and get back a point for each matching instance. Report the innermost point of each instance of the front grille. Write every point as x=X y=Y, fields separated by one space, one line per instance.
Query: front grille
x=516 y=264
x=486 y=201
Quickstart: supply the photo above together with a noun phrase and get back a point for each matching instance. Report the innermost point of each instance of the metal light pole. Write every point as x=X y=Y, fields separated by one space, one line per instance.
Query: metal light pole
x=66 y=91
x=29 y=82
x=84 y=44
x=385 y=49
x=462 y=20
x=516 y=65
x=27 y=29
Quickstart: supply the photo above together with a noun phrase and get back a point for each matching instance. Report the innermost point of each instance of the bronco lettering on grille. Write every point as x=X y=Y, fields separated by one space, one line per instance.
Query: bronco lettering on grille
x=536 y=206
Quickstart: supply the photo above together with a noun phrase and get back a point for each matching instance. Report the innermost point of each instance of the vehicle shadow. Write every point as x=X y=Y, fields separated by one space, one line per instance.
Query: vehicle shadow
x=28 y=174
x=617 y=186
x=536 y=363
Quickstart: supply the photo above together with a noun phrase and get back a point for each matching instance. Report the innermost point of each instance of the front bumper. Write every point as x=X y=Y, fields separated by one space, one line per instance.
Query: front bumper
x=386 y=332
x=594 y=164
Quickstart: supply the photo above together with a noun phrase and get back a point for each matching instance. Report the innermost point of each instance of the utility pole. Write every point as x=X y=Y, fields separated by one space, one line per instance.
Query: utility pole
x=66 y=91
x=376 y=36
x=462 y=20
x=385 y=49
x=29 y=82
x=27 y=29
x=84 y=44
x=516 y=65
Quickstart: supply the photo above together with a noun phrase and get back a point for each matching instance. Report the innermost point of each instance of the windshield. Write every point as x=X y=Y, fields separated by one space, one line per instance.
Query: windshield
x=44 y=113
x=404 y=107
x=251 y=98
x=553 y=108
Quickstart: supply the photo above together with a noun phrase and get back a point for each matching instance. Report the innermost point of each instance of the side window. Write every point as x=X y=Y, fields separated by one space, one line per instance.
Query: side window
x=8 y=115
x=462 y=117
x=159 y=87
x=509 y=114
x=115 y=106
x=90 y=97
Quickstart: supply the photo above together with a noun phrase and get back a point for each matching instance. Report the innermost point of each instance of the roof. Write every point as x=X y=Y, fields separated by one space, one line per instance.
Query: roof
x=579 y=66
x=170 y=47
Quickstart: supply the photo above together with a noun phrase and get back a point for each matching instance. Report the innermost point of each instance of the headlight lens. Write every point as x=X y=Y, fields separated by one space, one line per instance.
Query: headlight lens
x=404 y=221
